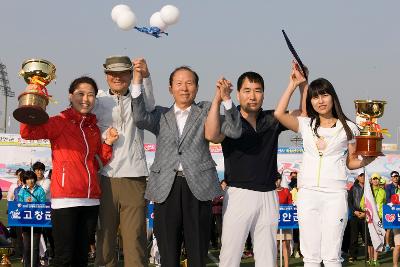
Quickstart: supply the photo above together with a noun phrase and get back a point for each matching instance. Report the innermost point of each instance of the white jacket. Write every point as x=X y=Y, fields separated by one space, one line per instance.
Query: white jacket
x=325 y=171
x=128 y=158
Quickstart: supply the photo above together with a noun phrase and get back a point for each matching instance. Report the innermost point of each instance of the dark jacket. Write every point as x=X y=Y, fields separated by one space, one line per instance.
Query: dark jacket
x=355 y=194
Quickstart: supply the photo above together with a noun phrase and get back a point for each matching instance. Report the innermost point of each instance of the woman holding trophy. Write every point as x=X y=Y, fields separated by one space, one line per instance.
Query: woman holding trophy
x=75 y=190
x=329 y=146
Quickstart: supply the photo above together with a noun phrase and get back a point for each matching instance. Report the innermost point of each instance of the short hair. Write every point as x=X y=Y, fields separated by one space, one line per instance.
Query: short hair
x=196 y=77
x=252 y=76
x=19 y=170
x=29 y=175
x=394 y=173
x=84 y=79
x=38 y=166
x=292 y=172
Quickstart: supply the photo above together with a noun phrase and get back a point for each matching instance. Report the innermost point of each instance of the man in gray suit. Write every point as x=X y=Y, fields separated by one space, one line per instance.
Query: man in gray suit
x=183 y=179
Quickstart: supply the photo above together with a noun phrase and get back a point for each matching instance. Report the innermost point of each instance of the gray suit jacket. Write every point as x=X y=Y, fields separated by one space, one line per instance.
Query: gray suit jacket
x=190 y=149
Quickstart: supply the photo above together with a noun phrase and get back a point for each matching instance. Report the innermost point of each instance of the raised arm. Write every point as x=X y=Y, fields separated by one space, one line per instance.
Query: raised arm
x=141 y=66
x=49 y=130
x=289 y=120
x=215 y=131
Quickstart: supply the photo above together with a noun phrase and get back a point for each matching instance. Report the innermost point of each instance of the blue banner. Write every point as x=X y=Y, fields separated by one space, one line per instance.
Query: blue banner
x=391 y=216
x=150 y=215
x=288 y=217
x=35 y=214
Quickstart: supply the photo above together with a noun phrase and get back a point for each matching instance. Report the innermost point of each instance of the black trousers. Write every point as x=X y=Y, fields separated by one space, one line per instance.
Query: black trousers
x=216 y=229
x=70 y=233
x=182 y=217
x=357 y=227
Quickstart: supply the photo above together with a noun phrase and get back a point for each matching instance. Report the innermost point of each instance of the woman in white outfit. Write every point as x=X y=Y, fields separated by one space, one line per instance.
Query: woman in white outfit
x=329 y=146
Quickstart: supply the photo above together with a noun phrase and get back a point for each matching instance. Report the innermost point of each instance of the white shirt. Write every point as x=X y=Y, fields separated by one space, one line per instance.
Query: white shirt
x=10 y=193
x=324 y=169
x=181 y=116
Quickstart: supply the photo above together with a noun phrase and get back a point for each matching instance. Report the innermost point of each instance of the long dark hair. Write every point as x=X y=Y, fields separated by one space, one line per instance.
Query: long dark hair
x=322 y=86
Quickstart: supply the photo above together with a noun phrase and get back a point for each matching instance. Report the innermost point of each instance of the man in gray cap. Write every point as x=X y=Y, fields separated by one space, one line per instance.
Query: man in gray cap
x=123 y=180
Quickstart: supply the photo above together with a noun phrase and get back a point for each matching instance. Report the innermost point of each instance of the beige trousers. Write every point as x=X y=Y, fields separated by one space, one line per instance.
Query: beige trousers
x=123 y=207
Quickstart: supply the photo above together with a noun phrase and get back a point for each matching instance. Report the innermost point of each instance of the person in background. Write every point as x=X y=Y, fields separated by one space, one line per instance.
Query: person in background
x=380 y=200
x=18 y=183
x=296 y=235
x=357 y=216
x=390 y=189
x=39 y=168
x=31 y=192
x=16 y=231
x=284 y=198
x=216 y=219
x=395 y=200
x=293 y=179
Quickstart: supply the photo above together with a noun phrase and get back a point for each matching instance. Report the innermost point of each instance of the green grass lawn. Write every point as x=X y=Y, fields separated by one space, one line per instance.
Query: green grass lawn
x=385 y=259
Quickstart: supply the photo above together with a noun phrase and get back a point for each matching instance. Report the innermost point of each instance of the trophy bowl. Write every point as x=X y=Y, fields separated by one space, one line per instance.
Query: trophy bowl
x=370 y=108
x=369 y=142
x=33 y=101
x=38 y=67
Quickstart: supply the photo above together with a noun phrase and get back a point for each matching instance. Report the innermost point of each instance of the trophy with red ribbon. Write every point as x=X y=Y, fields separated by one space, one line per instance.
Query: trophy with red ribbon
x=37 y=73
x=369 y=142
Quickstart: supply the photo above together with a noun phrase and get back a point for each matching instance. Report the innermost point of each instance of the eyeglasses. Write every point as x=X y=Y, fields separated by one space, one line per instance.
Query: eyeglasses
x=375 y=178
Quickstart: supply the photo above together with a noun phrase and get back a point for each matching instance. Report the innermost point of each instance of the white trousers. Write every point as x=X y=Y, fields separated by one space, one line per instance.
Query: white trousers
x=247 y=211
x=322 y=221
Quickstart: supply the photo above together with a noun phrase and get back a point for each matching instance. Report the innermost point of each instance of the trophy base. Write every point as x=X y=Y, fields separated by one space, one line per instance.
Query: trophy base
x=31 y=108
x=369 y=146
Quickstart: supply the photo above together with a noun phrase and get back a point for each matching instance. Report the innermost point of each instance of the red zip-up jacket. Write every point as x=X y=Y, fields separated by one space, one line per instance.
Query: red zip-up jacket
x=75 y=140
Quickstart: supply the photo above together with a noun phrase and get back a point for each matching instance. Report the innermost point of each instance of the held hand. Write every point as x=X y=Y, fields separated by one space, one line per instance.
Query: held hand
x=296 y=77
x=361 y=215
x=141 y=65
x=111 y=136
x=367 y=160
x=225 y=88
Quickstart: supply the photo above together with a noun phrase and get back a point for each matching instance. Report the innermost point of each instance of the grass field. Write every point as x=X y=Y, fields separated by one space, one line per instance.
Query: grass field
x=385 y=259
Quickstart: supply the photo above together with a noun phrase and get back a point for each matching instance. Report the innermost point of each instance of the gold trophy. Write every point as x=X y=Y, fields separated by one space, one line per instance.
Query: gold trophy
x=369 y=142
x=5 y=253
x=37 y=74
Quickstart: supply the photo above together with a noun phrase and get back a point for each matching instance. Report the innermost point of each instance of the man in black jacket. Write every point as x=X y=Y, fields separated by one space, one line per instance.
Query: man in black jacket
x=357 y=219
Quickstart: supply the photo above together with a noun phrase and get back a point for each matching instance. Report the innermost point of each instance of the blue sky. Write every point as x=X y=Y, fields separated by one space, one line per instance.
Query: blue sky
x=354 y=44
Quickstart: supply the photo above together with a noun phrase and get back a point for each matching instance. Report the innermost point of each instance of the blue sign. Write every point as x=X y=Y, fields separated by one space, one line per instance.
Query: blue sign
x=391 y=216
x=35 y=214
x=150 y=214
x=288 y=217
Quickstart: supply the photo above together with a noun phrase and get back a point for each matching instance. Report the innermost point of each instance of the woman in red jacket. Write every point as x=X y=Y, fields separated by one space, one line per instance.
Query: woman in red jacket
x=75 y=189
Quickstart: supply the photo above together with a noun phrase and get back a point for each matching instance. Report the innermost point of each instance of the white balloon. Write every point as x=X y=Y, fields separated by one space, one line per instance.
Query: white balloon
x=117 y=10
x=126 y=20
x=156 y=21
x=169 y=14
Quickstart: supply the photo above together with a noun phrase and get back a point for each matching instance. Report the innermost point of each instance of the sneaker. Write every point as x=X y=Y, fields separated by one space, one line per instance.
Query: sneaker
x=351 y=260
x=387 y=248
x=297 y=255
x=376 y=263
